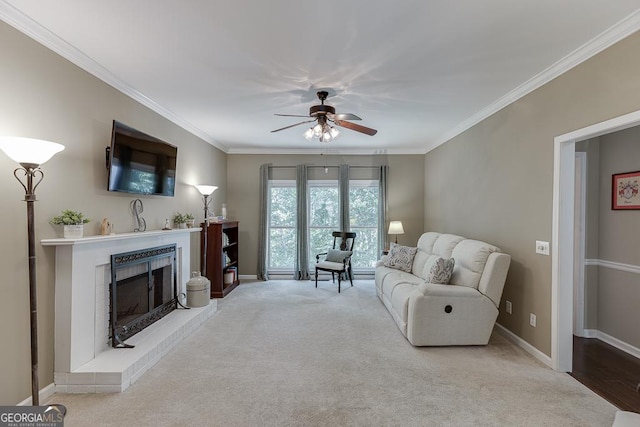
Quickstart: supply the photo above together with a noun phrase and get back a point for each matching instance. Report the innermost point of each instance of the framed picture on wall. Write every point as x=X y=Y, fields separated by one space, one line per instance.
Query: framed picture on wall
x=624 y=193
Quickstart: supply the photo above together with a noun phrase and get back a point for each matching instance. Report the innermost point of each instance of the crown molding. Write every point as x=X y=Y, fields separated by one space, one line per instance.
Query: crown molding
x=37 y=32
x=332 y=150
x=607 y=38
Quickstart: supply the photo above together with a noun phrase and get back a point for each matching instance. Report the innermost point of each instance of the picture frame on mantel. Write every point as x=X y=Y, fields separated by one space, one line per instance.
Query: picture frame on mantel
x=625 y=191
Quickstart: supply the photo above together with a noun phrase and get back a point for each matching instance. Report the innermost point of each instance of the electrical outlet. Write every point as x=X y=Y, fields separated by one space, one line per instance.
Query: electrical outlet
x=542 y=247
x=508 y=306
x=532 y=319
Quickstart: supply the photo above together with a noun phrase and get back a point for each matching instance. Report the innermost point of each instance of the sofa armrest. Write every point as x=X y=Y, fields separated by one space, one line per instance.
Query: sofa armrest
x=494 y=275
x=438 y=290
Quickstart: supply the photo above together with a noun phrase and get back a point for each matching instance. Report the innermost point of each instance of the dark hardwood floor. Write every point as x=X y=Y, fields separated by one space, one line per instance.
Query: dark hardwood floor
x=609 y=372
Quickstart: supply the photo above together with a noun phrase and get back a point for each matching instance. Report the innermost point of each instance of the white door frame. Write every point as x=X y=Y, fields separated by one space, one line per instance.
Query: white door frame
x=562 y=256
x=580 y=228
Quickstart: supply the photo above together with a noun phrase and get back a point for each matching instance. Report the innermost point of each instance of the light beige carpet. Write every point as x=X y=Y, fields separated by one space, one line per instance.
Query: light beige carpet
x=282 y=353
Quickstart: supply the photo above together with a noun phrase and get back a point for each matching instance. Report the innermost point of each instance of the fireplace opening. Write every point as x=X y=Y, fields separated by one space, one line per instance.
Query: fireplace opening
x=142 y=290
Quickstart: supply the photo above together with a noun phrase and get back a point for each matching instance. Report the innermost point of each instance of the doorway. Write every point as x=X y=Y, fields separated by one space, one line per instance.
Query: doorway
x=564 y=234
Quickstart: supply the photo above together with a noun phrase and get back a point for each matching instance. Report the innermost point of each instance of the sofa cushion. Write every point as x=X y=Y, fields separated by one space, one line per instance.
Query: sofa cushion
x=328 y=265
x=445 y=244
x=471 y=258
x=400 y=299
x=418 y=262
x=400 y=257
x=427 y=240
x=432 y=245
x=334 y=255
x=441 y=271
x=392 y=279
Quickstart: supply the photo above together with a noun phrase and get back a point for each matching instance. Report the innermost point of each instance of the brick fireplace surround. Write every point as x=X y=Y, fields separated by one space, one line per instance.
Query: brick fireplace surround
x=84 y=361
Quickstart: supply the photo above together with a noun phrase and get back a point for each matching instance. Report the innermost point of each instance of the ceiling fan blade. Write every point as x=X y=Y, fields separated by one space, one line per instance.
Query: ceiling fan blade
x=291 y=115
x=290 y=126
x=346 y=116
x=357 y=128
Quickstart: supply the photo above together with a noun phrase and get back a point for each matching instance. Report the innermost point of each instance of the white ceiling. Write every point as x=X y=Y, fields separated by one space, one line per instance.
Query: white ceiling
x=419 y=71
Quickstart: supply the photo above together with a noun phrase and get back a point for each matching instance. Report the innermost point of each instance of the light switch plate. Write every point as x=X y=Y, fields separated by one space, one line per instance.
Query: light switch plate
x=542 y=247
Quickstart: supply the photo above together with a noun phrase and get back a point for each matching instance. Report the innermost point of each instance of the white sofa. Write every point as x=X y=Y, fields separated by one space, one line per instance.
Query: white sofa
x=462 y=312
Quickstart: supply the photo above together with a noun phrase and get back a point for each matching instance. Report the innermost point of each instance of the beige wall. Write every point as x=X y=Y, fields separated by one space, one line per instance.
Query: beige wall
x=45 y=96
x=494 y=181
x=405 y=198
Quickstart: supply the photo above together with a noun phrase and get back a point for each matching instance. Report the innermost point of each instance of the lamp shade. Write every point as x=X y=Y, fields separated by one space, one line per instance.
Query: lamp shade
x=395 y=227
x=29 y=150
x=206 y=190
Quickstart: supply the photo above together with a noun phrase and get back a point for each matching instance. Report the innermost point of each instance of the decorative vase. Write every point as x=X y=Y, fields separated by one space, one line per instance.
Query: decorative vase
x=198 y=290
x=190 y=223
x=73 y=231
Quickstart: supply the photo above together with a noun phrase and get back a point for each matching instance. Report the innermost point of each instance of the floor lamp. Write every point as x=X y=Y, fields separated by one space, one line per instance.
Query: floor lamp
x=31 y=153
x=206 y=191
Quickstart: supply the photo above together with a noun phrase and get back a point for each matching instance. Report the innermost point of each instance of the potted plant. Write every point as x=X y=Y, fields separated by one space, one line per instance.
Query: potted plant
x=183 y=220
x=190 y=220
x=72 y=222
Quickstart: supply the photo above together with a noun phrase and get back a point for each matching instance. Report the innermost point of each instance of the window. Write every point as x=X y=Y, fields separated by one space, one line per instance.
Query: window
x=324 y=216
x=282 y=226
x=363 y=219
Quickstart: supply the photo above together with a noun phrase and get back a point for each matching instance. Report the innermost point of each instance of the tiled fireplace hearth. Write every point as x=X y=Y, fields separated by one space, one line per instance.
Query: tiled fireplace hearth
x=85 y=361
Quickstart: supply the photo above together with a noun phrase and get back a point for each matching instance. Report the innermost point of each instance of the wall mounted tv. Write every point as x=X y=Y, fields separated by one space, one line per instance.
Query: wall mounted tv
x=139 y=163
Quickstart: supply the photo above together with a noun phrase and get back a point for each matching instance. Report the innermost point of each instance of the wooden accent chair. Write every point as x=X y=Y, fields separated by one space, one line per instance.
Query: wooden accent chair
x=338 y=259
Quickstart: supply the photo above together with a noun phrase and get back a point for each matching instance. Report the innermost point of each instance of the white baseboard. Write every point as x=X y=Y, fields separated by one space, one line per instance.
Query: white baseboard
x=44 y=395
x=524 y=345
x=588 y=333
x=620 y=345
x=613 y=341
x=248 y=277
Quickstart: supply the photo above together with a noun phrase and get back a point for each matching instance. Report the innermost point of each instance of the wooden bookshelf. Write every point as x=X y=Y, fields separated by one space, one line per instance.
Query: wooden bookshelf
x=221 y=255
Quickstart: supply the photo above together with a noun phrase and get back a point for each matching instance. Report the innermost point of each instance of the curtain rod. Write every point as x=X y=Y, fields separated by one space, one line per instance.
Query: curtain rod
x=319 y=166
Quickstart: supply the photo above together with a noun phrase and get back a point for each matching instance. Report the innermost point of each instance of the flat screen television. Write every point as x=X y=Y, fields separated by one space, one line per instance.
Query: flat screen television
x=139 y=163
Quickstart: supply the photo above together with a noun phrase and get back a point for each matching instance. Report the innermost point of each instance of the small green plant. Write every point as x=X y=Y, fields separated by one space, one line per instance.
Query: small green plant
x=179 y=218
x=69 y=217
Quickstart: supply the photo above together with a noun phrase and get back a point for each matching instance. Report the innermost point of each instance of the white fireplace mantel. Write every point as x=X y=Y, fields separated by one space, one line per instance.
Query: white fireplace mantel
x=84 y=360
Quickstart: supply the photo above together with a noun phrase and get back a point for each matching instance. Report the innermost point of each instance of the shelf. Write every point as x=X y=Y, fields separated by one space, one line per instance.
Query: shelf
x=230 y=245
x=115 y=237
x=222 y=246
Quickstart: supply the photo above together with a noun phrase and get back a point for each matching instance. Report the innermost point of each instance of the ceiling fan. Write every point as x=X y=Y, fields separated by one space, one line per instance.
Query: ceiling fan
x=325 y=115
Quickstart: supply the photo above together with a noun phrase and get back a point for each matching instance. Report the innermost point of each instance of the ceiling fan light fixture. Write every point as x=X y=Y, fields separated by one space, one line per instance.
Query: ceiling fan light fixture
x=325 y=115
x=326 y=137
x=309 y=134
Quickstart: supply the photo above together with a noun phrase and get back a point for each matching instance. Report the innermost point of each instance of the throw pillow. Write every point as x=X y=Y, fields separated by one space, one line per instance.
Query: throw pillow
x=441 y=271
x=334 y=255
x=400 y=257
